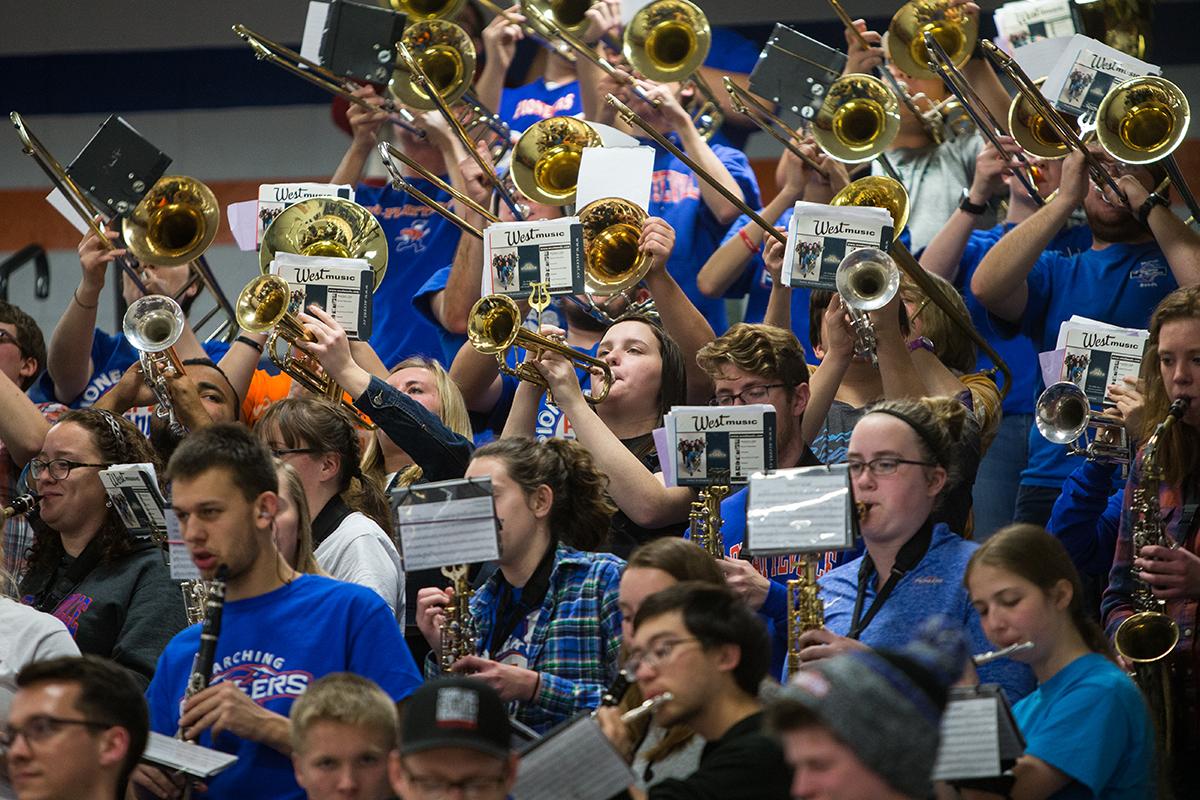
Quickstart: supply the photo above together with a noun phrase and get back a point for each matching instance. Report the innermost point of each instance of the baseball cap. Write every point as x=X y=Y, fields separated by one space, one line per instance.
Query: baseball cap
x=455 y=712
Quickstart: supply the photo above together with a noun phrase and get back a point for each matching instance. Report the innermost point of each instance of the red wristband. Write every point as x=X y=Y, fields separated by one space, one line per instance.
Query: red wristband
x=754 y=249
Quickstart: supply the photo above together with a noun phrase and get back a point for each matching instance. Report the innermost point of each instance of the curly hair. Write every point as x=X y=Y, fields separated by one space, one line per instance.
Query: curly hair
x=764 y=350
x=581 y=512
x=938 y=423
x=119 y=442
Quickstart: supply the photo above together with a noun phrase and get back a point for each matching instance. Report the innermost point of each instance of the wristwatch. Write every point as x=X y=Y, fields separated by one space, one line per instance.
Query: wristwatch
x=965 y=204
x=1153 y=199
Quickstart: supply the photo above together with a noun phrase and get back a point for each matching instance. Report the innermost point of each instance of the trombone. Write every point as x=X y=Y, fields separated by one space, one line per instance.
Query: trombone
x=953 y=31
x=1050 y=116
x=765 y=119
x=943 y=65
x=857 y=121
x=1033 y=132
x=427 y=9
x=1143 y=121
x=535 y=29
x=546 y=159
x=266 y=304
x=495 y=326
x=326 y=226
x=274 y=53
x=153 y=324
x=387 y=153
x=1063 y=416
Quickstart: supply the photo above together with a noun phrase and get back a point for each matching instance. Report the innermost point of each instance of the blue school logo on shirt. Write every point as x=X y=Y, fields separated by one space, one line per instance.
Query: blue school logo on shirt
x=411 y=236
x=1148 y=272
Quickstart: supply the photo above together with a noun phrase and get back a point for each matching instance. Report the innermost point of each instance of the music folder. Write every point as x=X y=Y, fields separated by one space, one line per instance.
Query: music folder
x=980 y=739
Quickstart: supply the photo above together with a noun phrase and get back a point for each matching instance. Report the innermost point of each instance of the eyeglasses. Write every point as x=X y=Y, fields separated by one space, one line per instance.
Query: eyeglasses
x=657 y=655
x=883 y=466
x=42 y=727
x=8 y=338
x=751 y=394
x=291 y=451
x=58 y=468
x=471 y=788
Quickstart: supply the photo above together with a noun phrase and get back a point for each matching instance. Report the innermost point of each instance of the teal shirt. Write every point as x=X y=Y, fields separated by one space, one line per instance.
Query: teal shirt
x=1090 y=722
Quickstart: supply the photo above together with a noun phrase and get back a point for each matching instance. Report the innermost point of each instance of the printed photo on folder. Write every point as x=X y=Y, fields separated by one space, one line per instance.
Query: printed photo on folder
x=1097 y=355
x=273 y=198
x=800 y=510
x=133 y=490
x=518 y=254
x=712 y=444
x=446 y=523
x=341 y=286
x=1027 y=21
x=820 y=236
x=1085 y=71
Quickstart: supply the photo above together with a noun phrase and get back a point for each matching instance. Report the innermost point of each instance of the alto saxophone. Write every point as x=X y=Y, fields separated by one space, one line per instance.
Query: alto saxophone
x=704 y=520
x=459 y=635
x=1147 y=638
x=805 y=609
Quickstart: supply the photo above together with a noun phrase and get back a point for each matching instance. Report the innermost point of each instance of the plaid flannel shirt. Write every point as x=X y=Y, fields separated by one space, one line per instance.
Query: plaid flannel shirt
x=1117 y=604
x=576 y=638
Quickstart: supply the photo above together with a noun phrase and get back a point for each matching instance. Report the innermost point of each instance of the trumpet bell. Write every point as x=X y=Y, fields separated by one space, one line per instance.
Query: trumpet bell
x=1033 y=133
x=955 y=30
x=447 y=56
x=174 y=223
x=153 y=323
x=567 y=15
x=857 y=120
x=1142 y=120
x=1062 y=413
x=612 y=229
x=263 y=303
x=667 y=40
x=427 y=9
x=545 y=164
x=878 y=191
x=867 y=279
x=327 y=226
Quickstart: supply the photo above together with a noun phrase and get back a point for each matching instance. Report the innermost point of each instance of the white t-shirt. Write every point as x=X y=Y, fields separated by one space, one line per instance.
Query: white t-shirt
x=358 y=551
x=26 y=635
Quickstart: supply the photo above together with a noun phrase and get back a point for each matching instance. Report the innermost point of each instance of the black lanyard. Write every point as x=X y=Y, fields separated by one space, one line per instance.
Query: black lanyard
x=909 y=556
x=329 y=519
x=60 y=582
x=508 y=613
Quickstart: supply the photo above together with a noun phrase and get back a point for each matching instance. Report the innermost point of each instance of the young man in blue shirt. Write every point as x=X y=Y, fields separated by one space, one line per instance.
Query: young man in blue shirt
x=1139 y=254
x=280 y=630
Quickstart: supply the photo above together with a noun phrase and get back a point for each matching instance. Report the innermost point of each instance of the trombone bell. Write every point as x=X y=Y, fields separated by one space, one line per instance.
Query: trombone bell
x=427 y=9
x=1142 y=120
x=953 y=29
x=1033 y=132
x=858 y=119
x=545 y=165
x=447 y=56
x=667 y=40
x=174 y=223
x=612 y=230
x=327 y=226
x=878 y=191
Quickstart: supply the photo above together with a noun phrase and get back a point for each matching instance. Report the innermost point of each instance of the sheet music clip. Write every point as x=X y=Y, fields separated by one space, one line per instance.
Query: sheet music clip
x=980 y=740
x=359 y=41
x=794 y=71
x=117 y=167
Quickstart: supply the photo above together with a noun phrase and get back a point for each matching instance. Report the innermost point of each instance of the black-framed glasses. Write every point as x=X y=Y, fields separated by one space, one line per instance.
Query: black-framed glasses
x=58 y=468
x=658 y=654
x=471 y=788
x=751 y=394
x=8 y=338
x=42 y=727
x=883 y=466
x=291 y=451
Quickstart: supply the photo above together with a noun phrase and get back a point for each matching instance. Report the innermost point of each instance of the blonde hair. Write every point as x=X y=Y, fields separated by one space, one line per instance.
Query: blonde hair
x=349 y=699
x=294 y=487
x=952 y=347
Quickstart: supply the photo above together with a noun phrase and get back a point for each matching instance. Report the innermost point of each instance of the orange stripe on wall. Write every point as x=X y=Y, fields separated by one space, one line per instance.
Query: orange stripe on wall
x=27 y=217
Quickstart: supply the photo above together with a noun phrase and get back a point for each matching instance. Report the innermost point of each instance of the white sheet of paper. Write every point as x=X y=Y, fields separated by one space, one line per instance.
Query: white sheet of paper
x=191 y=759
x=970 y=740
x=461 y=531
x=1051 y=363
x=1036 y=58
x=616 y=172
x=611 y=137
x=243 y=221
x=314 y=30
x=541 y=776
x=62 y=206
x=804 y=510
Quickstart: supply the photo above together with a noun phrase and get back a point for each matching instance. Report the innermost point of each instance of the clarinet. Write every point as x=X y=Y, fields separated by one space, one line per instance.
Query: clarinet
x=20 y=506
x=202 y=666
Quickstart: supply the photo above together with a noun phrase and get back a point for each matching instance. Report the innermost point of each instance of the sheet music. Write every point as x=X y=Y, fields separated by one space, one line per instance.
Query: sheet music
x=192 y=759
x=802 y=510
x=541 y=774
x=439 y=534
x=970 y=740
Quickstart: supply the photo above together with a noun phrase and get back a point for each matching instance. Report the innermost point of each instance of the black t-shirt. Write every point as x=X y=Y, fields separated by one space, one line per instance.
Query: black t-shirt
x=625 y=534
x=744 y=763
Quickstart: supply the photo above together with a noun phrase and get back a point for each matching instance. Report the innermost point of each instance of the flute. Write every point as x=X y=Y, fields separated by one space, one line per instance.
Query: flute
x=646 y=707
x=1004 y=652
x=20 y=506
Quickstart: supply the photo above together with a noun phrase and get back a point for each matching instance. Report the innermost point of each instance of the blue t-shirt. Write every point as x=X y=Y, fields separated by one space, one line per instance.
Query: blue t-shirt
x=112 y=354
x=1120 y=285
x=1090 y=721
x=533 y=102
x=1017 y=351
x=273 y=646
x=420 y=241
x=933 y=586
x=675 y=196
x=422 y=301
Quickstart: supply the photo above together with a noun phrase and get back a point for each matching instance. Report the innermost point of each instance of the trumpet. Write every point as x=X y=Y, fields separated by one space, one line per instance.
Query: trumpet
x=494 y=327
x=266 y=305
x=867 y=280
x=153 y=324
x=20 y=506
x=1063 y=416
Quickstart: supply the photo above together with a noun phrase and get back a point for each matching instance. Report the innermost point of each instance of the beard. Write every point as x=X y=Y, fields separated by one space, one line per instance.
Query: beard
x=1111 y=227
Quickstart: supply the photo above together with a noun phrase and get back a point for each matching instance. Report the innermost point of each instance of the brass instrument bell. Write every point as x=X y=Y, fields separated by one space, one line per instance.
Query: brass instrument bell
x=858 y=119
x=1033 y=132
x=1142 y=120
x=567 y=15
x=427 y=9
x=174 y=223
x=545 y=163
x=446 y=54
x=327 y=226
x=954 y=29
x=612 y=230
x=667 y=40
x=878 y=191
x=1063 y=416
x=153 y=324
